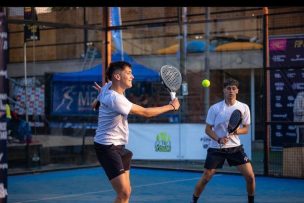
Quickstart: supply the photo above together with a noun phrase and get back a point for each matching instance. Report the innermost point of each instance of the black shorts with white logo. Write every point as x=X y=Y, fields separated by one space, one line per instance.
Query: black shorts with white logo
x=115 y=159
x=216 y=157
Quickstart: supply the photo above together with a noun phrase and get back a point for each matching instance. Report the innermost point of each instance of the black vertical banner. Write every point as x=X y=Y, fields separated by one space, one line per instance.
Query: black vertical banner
x=287 y=84
x=3 y=99
x=31 y=31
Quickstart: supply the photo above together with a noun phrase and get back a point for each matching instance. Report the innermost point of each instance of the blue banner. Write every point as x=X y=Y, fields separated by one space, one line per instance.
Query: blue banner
x=72 y=98
x=3 y=100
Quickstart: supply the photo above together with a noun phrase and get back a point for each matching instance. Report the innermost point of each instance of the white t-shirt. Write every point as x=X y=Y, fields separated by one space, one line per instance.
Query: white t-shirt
x=112 y=118
x=218 y=117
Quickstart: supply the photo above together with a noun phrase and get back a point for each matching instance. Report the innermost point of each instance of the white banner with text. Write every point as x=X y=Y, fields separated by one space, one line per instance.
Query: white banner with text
x=173 y=141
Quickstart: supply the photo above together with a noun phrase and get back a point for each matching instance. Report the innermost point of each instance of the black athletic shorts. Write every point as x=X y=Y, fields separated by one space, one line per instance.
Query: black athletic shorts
x=216 y=157
x=115 y=159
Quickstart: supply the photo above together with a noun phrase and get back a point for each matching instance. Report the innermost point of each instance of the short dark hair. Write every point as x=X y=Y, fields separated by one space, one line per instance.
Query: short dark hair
x=231 y=82
x=117 y=65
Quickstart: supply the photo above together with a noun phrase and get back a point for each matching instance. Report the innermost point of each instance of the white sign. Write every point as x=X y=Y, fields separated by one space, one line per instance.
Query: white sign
x=173 y=141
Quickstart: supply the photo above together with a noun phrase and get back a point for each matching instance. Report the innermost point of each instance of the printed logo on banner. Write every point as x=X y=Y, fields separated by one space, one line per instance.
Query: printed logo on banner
x=279 y=58
x=277 y=44
x=299 y=43
x=3 y=131
x=67 y=99
x=3 y=166
x=298 y=86
x=291 y=75
x=205 y=141
x=298 y=58
x=3 y=135
x=278 y=97
x=163 y=142
x=277 y=75
x=279 y=86
x=279 y=115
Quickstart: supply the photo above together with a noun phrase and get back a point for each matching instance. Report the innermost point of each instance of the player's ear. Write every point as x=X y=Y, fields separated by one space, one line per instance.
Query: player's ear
x=117 y=76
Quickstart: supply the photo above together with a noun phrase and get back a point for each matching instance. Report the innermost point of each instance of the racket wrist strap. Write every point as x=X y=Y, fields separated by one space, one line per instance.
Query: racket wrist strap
x=173 y=107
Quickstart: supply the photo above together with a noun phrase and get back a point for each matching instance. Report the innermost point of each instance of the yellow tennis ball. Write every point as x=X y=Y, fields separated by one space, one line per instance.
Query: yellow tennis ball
x=206 y=83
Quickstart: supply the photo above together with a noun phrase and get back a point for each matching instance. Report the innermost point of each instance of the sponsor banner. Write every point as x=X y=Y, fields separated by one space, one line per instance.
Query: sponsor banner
x=31 y=31
x=286 y=88
x=286 y=51
x=173 y=141
x=34 y=96
x=3 y=101
x=72 y=98
x=32 y=101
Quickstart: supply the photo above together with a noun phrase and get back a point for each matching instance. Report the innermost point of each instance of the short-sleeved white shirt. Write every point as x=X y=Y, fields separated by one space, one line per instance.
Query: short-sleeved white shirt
x=112 y=118
x=218 y=117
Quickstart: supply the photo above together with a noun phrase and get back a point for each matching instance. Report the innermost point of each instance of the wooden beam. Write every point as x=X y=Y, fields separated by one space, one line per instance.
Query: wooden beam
x=106 y=42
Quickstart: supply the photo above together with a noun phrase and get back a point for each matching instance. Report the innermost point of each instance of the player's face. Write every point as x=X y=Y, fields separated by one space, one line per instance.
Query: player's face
x=127 y=77
x=230 y=92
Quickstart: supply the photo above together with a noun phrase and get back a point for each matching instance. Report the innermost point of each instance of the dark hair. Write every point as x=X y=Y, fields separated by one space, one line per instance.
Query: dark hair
x=117 y=65
x=231 y=82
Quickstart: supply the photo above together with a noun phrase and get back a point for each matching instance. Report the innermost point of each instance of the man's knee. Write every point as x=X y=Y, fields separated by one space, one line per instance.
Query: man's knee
x=125 y=193
x=250 y=178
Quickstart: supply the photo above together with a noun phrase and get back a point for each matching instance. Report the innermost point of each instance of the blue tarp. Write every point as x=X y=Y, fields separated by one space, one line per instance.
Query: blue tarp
x=140 y=72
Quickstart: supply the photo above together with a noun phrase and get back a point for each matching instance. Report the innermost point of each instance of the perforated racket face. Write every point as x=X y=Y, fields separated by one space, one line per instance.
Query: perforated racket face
x=171 y=77
x=234 y=121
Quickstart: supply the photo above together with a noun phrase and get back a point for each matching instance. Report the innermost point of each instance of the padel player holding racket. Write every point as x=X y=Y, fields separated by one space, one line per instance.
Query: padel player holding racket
x=225 y=146
x=112 y=132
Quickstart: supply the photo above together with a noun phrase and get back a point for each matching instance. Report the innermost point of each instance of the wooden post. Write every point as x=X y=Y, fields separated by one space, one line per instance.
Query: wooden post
x=106 y=42
x=267 y=91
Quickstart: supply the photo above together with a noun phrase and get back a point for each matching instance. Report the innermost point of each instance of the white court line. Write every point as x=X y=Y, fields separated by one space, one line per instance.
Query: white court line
x=110 y=190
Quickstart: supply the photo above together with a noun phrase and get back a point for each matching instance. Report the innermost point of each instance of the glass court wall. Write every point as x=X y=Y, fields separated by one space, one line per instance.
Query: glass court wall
x=49 y=91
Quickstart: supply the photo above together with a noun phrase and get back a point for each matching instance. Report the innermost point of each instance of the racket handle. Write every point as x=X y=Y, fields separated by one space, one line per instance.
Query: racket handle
x=96 y=107
x=173 y=95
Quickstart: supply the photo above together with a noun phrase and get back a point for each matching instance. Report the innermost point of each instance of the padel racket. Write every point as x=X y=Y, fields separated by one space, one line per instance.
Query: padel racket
x=234 y=121
x=171 y=78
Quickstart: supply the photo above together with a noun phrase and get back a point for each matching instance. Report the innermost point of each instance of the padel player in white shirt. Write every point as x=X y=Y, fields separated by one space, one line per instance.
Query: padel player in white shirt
x=226 y=146
x=112 y=132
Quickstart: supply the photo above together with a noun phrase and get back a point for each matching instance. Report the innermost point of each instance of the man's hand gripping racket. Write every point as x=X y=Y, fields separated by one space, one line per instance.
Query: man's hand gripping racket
x=171 y=78
x=234 y=122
